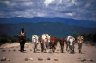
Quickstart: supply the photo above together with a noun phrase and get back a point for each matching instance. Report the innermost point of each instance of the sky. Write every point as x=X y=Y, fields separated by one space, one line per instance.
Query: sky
x=75 y=9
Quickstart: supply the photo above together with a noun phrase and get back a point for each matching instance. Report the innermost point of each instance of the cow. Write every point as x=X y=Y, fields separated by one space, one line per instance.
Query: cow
x=67 y=42
x=61 y=41
x=45 y=42
x=80 y=40
x=35 y=40
x=53 y=43
x=70 y=43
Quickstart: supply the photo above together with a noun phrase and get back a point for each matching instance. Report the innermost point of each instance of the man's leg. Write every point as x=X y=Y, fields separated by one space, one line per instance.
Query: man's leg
x=20 y=46
x=23 y=46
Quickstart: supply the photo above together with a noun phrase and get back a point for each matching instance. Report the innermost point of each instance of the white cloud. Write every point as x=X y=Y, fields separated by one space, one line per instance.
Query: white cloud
x=60 y=1
x=26 y=3
x=41 y=14
x=26 y=14
x=7 y=2
x=69 y=14
x=47 y=2
x=73 y=1
x=21 y=4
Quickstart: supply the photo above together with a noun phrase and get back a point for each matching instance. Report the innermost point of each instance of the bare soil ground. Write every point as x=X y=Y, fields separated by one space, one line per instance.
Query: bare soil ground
x=9 y=53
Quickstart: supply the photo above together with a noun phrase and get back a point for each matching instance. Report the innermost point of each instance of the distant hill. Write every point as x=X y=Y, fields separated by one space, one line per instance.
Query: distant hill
x=81 y=23
x=58 y=29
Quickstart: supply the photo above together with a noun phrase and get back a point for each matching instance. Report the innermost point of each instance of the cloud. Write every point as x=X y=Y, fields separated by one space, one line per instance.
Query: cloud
x=69 y=14
x=75 y=9
x=39 y=14
x=47 y=2
x=7 y=2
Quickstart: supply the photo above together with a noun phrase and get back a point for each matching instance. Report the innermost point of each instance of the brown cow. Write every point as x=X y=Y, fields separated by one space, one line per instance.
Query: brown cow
x=61 y=41
x=80 y=40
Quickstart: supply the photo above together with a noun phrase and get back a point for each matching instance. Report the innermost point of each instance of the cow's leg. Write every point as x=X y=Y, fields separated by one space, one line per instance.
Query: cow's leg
x=35 y=46
x=73 y=48
x=42 y=47
x=79 y=47
x=52 y=47
x=67 y=46
x=62 y=46
x=49 y=45
x=46 y=48
x=46 y=45
x=61 y=49
x=70 y=48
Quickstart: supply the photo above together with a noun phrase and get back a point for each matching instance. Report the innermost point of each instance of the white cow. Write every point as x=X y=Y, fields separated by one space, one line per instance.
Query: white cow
x=71 y=40
x=45 y=41
x=70 y=44
x=35 y=40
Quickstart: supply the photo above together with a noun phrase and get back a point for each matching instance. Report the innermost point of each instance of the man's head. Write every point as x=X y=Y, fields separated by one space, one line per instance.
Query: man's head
x=22 y=30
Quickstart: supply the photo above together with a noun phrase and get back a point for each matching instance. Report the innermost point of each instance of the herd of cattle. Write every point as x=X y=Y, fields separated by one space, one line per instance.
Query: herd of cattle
x=47 y=41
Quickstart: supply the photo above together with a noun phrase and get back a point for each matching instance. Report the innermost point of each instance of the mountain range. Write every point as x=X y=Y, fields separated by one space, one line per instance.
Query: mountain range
x=59 y=27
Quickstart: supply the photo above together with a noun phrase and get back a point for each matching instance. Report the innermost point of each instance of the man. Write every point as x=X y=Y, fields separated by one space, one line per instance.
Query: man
x=22 y=39
x=80 y=40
